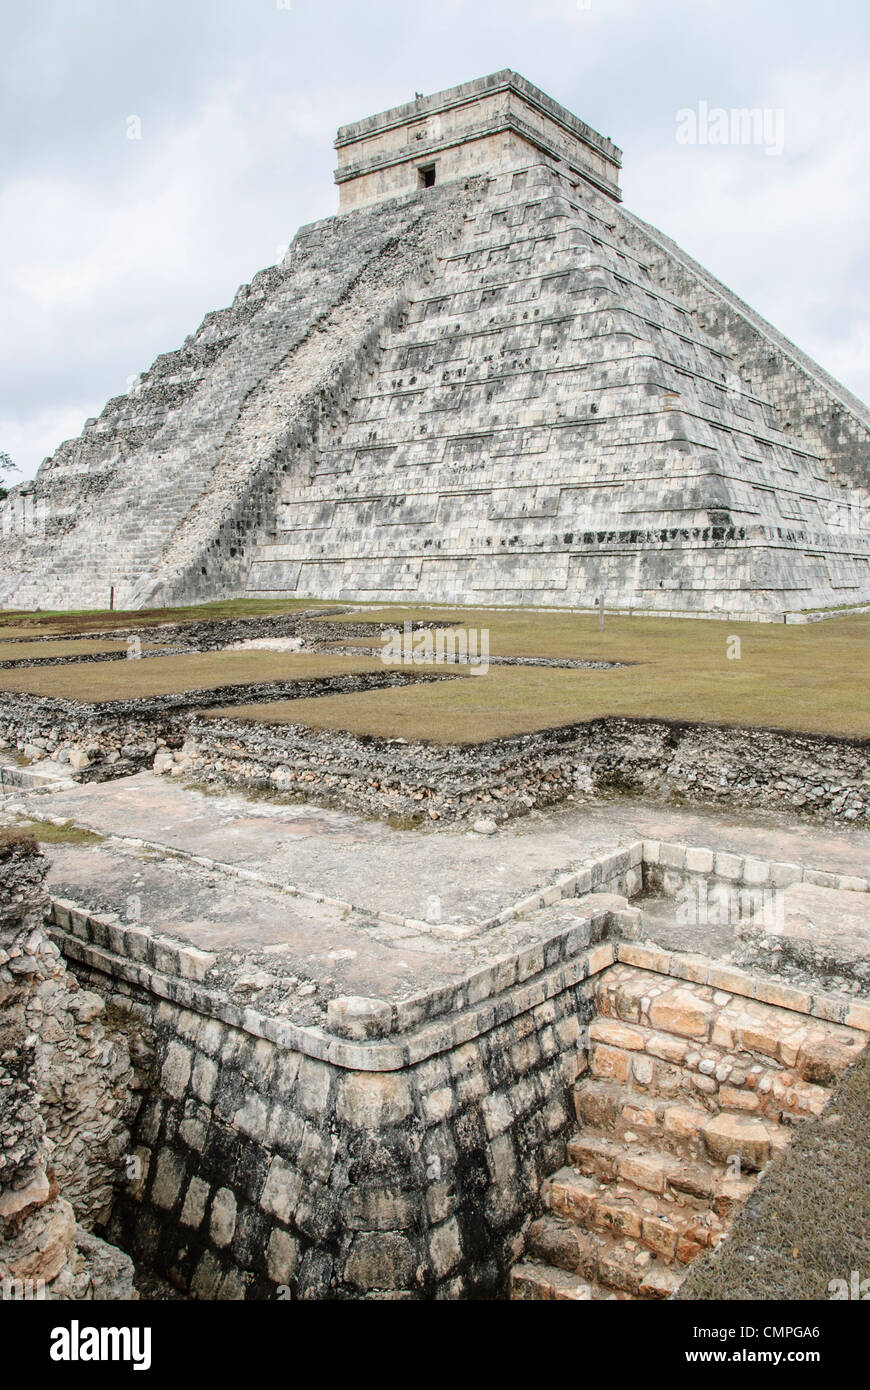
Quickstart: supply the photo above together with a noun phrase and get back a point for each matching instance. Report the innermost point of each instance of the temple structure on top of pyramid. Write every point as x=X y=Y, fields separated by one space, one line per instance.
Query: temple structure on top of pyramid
x=483 y=381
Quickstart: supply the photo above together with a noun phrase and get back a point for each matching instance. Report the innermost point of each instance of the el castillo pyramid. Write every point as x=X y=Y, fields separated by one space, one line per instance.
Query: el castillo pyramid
x=483 y=381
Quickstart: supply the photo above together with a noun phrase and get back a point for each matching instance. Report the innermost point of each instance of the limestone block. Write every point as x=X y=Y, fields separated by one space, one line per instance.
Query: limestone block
x=351 y=1016
x=195 y=1199
x=222 y=1221
x=369 y=1100
x=282 y=1254
x=728 y=1135
x=282 y=1189
x=682 y=1012
x=615 y=1034
x=313 y=1084
x=445 y=1248
x=378 y=1208
x=380 y=1260
x=168 y=1179
x=175 y=1072
x=203 y=1077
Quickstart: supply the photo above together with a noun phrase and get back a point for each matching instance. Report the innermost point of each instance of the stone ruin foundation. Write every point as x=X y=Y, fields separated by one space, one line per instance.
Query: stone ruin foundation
x=65 y=1102
x=580 y=1116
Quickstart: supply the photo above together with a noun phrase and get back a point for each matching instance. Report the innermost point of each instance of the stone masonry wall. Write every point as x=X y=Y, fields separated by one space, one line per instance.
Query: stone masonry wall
x=263 y=1168
x=811 y=403
x=545 y=423
x=343 y=1161
x=826 y=778
x=65 y=1100
x=117 y=737
x=399 y=1161
x=501 y=390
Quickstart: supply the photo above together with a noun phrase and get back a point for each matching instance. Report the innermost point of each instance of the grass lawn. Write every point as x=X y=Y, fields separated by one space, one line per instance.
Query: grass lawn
x=170 y=675
x=813 y=678
x=44 y=833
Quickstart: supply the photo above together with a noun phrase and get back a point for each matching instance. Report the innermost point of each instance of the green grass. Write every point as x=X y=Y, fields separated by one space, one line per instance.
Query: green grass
x=810 y=678
x=20 y=624
x=44 y=833
x=171 y=675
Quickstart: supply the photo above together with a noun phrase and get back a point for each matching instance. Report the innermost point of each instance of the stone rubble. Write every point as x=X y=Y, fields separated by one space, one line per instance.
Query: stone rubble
x=65 y=1103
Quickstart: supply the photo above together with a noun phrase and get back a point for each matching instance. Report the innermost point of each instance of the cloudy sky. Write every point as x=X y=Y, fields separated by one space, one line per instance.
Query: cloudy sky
x=114 y=248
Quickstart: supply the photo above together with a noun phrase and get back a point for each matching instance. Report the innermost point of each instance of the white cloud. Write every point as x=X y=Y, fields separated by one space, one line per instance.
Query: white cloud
x=787 y=233
x=37 y=436
x=113 y=249
x=96 y=280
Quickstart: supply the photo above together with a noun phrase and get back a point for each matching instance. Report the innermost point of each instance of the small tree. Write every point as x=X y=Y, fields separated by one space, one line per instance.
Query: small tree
x=6 y=466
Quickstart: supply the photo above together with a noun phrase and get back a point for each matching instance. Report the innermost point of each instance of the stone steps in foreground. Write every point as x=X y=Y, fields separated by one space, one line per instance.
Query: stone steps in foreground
x=688 y=1093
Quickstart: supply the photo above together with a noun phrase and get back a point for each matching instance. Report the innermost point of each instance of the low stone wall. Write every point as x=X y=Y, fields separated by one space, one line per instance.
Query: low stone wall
x=826 y=778
x=117 y=737
x=391 y=1152
x=750 y=893
x=384 y=1150
x=668 y=867
x=202 y=634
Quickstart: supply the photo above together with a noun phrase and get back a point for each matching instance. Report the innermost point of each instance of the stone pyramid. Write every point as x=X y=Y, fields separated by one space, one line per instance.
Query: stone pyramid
x=484 y=381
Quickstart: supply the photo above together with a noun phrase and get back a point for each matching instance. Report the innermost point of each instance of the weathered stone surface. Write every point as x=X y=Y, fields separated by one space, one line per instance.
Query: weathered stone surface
x=369 y=1100
x=222 y=1222
x=281 y=1256
x=657 y=1177
x=727 y=1136
x=65 y=1099
x=354 y=1017
x=380 y=1261
x=681 y=1012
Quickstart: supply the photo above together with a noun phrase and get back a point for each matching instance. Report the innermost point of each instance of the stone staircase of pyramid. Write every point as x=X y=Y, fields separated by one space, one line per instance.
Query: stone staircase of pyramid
x=689 y=1092
x=141 y=496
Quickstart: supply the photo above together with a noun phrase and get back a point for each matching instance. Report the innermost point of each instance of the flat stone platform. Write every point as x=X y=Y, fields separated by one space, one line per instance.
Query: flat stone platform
x=328 y=903
x=381 y=869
